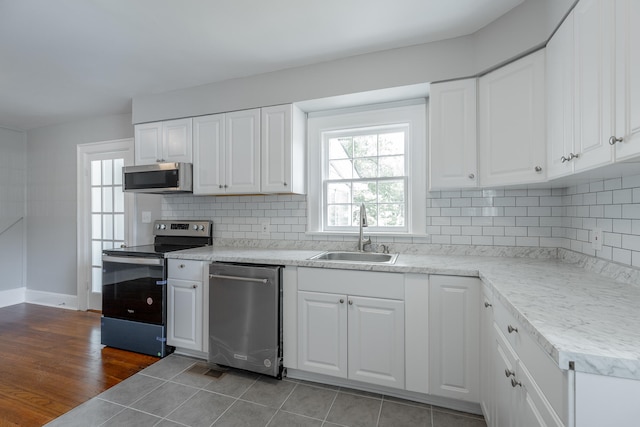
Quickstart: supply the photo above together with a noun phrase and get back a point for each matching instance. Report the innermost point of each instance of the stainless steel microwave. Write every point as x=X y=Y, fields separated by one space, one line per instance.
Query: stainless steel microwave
x=159 y=178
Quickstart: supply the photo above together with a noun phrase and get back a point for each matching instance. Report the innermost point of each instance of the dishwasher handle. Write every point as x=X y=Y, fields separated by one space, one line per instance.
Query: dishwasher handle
x=243 y=279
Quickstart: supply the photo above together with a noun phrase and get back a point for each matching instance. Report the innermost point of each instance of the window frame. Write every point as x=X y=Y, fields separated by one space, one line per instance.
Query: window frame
x=412 y=113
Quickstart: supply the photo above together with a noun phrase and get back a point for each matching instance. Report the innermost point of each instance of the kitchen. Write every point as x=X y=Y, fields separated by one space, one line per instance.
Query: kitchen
x=557 y=216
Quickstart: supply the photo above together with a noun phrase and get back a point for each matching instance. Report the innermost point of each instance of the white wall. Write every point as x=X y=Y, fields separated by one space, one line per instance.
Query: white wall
x=51 y=198
x=524 y=28
x=12 y=208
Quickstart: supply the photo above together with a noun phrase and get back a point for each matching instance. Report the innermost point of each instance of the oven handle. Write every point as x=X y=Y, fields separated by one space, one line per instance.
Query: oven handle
x=244 y=279
x=133 y=260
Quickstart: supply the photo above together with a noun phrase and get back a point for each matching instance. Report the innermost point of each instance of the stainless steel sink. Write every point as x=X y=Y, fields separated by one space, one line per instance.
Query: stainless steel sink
x=364 y=257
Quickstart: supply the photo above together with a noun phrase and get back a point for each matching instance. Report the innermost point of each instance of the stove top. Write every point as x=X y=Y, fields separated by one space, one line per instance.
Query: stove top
x=150 y=249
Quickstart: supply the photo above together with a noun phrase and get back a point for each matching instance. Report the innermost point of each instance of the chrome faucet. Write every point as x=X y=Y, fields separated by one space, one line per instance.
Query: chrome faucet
x=363 y=223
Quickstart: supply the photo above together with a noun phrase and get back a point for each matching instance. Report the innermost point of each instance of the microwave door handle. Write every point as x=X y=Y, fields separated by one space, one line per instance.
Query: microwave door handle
x=133 y=260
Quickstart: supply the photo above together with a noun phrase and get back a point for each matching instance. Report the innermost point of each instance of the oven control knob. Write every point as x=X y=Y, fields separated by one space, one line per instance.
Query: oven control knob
x=162 y=226
x=195 y=227
x=157 y=226
x=202 y=228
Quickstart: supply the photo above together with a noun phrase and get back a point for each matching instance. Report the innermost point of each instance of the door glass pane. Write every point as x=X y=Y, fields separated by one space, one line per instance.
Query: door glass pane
x=96 y=253
x=117 y=171
x=96 y=172
x=96 y=226
x=96 y=279
x=107 y=172
x=107 y=227
x=96 y=200
x=118 y=227
x=107 y=199
x=118 y=199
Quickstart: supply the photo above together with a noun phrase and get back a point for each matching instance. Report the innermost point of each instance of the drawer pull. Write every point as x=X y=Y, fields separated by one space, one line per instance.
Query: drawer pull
x=509 y=373
x=181 y=265
x=341 y=301
x=487 y=305
x=511 y=329
x=515 y=383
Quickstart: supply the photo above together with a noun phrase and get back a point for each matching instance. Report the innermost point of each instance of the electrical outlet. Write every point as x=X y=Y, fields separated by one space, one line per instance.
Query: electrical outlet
x=596 y=239
x=265 y=228
x=146 y=217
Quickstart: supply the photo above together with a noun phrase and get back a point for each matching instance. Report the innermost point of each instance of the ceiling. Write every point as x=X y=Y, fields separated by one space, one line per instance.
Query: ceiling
x=65 y=60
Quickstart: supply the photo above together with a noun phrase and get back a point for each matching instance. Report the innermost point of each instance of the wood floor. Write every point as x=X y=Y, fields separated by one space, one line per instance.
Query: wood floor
x=51 y=361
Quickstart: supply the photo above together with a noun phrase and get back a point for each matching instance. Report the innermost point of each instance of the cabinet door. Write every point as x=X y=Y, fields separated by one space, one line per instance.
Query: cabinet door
x=184 y=314
x=376 y=341
x=283 y=149
x=627 y=79
x=504 y=370
x=560 y=76
x=177 y=141
x=594 y=64
x=454 y=317
x=452 y=140
x=512 y=123
x=322 y=333
x=242 y=150
x=208 y=154
x=148 y=143
x=486 y=357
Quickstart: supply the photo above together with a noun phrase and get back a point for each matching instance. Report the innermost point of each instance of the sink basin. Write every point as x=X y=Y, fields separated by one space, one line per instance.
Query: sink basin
x=365 y=257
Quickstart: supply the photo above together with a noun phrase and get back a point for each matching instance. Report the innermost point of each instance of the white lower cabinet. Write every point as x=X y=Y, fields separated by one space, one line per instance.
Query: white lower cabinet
x=187 y=305
x=357 y=335
x=454 y=331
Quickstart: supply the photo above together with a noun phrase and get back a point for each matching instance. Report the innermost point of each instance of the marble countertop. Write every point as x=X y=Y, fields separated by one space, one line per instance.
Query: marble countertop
x=575 y=315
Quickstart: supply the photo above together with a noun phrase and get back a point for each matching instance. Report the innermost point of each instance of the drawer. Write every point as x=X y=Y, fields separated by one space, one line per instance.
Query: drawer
x=185 y=269
x=352 y=282
x=552 y=381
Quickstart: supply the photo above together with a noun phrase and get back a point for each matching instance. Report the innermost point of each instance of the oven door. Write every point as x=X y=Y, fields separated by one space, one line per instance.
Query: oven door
x=134 y=288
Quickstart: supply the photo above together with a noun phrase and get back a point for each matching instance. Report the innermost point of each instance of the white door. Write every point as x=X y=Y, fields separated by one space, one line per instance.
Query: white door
x=208 y=154
x=454 y=317
x=452 y=138
x=322 y=333
x=376 y=341
x=276 y=148
x=242 y=150
x=105 y=218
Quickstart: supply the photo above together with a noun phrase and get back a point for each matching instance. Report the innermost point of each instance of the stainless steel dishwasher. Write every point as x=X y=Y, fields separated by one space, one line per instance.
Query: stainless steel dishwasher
x=245 y=317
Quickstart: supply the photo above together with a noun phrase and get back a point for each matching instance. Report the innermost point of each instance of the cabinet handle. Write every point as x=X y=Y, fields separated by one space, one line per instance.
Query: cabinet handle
x=487 y=305
x=181 y=265
x=613 y=140
x=341 y=300
x=350 y=302
x=573 y=156
x=285 y=184
x=511 y=329
x=195 y=286
x=515 y=383
x=509 y=373
x=537 y=169
x=220 y=186
x=225 y=186
x=471 y=176
x=564 y=159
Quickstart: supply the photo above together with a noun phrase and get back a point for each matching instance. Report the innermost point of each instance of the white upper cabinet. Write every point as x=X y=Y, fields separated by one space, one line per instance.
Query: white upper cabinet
x=208 y=154
x=627 y=80
x=452 y=139
x=227 y=153
x=283 y=142
x=168 y=141
x=512 y=145
x=594 y=62
x=560 y=101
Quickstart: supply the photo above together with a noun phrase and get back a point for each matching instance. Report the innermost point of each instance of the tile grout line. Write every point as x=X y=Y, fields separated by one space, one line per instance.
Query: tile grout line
x=235 y=401
x=282 y=404
x=380 y=410
x=324 y=421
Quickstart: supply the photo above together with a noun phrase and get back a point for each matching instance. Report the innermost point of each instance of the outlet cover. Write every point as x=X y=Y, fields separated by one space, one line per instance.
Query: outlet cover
x=265 y=228
x=596 y=239
x=146 y=217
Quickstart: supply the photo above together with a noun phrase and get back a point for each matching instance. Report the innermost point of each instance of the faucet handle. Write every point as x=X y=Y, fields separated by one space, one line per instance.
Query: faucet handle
x=385 y=248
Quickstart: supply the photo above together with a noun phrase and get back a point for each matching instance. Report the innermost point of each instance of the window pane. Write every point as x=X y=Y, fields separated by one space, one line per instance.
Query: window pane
x=391 y=166
x=365 y=146
x=96 y=226
x=107 y=172
x=391 y=215
x=118 y=227
x=117 y=171
x=96 y=200
x=391 y=143
x=365 y=192
x=96 y=172
x=96 y=279
x=96 y=252
x=391 y=191
x=365 y=168
x=108 y=244
x=107 y=199
x=338 y=193
x=118 y=199
x=340 y=169
x=107 y=227
x=340 y=148
x=339 y=215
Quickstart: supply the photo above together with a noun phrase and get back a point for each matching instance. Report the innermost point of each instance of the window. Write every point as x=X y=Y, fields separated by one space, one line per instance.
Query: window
x=374 y=157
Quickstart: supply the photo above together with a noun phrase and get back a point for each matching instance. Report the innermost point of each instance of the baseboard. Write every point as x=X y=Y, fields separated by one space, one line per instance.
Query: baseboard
x=12 y=296
x=51 y=299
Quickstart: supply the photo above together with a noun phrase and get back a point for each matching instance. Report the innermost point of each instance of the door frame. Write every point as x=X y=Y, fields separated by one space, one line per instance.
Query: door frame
x=83 y=215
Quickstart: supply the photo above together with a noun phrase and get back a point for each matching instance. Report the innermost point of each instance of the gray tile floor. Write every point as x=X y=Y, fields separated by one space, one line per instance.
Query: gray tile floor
x=175 y=392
